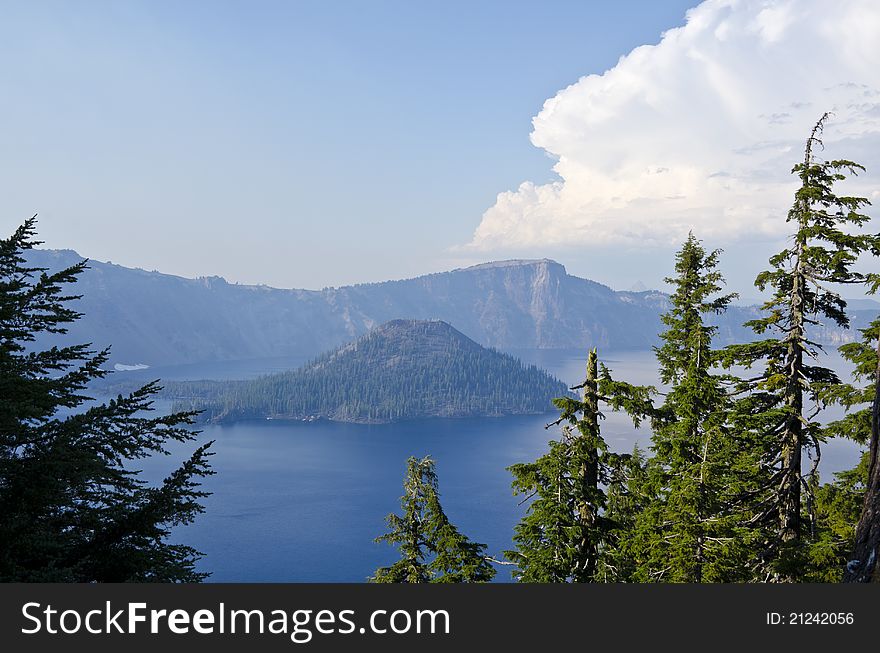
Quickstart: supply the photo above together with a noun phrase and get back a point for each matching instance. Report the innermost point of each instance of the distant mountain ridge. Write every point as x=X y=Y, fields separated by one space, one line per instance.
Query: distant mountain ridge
x=158 y=319
x=403 y=369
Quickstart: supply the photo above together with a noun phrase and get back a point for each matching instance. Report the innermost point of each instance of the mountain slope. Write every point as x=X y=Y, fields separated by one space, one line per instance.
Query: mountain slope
x=403 y=369
x=159 y=319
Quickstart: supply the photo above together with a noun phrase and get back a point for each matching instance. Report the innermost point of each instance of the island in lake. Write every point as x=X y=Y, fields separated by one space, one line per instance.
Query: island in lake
x=403 y=369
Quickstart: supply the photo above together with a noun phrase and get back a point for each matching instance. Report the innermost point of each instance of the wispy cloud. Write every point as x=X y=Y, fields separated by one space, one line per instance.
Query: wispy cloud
x=701 y=130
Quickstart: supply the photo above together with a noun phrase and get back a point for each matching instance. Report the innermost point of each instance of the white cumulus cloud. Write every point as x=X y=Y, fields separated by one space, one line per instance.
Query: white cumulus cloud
x=701 y=130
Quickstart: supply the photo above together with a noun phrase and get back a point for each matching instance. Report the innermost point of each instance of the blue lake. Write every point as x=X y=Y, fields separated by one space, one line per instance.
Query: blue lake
x=302 y=502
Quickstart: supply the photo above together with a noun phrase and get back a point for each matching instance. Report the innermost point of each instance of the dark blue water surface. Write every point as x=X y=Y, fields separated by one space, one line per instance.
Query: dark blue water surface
x=297 y=501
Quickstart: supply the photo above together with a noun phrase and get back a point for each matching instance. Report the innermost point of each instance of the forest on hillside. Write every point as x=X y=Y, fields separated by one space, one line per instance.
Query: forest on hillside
x=404 y=369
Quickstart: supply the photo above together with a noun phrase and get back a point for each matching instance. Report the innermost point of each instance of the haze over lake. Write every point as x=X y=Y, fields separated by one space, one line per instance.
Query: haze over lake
x=302 y=502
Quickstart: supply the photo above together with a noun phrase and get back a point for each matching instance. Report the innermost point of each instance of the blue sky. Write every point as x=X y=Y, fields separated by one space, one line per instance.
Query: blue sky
x=305 y=144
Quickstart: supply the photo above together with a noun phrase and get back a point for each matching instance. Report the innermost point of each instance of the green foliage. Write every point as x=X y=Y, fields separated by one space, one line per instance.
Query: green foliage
x=839 y=504
x=856 y=424
x=432 y=549
x=566 y=535
x=779 y=408
x=402 y=370
x=688 y=527
x=628 y=497
x=71 y=506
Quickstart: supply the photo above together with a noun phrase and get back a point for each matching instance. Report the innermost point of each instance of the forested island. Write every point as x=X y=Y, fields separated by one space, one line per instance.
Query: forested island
x=403 y=369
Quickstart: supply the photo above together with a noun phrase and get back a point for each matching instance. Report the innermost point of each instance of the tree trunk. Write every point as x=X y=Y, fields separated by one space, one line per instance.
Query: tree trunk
x=862 y=566
x=589 y=471
x=792 y=435
x=790 y=484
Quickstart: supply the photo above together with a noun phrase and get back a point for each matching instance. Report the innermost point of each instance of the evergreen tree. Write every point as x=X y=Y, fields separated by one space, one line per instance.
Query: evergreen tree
x=628 y=498
x=837 y=507
x=432 y=549
x=688 y=530
x=565 y=535
x=776 y=410
x=863 y=426
x=71 y=506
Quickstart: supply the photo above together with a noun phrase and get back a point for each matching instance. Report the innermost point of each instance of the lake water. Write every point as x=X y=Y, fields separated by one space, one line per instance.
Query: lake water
x=302 y=502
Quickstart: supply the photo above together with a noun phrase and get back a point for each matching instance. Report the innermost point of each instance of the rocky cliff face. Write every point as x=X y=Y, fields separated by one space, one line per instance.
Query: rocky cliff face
x=159 y=319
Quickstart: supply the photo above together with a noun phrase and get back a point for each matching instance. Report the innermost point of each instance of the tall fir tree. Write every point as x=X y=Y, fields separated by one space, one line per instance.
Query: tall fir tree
x=72 y=505
x=781 y=406
x=432 y=549
x=688 y=529
x=565 y=535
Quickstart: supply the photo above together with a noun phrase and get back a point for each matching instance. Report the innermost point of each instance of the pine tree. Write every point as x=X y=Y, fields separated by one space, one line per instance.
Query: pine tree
x=776 y=409
x=565 y=535
x=72 y=507
x=432 y=549
x=863 y=426
x=837 y=507
x=687 y=530
x=628 y=498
